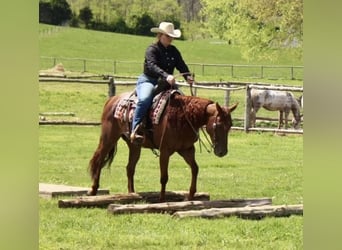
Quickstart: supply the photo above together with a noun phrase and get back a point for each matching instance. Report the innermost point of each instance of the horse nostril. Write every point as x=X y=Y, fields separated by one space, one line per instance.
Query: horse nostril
x=221 y=153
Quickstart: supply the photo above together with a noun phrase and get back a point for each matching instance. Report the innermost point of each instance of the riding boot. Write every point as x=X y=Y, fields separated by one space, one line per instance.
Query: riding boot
x=135 y=137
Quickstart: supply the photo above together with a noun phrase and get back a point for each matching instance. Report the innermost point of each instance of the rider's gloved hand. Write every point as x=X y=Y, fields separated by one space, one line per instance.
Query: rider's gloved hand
x=190 y=80
x=171 y=79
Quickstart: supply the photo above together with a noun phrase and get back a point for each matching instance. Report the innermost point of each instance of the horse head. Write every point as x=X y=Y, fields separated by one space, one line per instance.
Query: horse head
x=295 y=107
x=218 y=126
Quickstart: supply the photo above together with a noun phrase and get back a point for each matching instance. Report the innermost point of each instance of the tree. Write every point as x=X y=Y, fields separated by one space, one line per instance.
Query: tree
x=86 y=15
x=74 y=21
x=262 y=28
x=61 y=11
x=54 y=12
x=143 y=25
x=45 y=12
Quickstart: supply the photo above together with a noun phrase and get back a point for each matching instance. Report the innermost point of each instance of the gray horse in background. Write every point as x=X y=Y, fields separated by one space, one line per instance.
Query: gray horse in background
x=272 y=100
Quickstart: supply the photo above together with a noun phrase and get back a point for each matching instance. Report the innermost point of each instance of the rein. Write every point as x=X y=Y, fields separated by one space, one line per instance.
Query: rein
x=198 y=135
x=190 y=84
x=189 y=122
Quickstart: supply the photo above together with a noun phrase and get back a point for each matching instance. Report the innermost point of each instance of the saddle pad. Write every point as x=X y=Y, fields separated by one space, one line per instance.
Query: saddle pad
x=126 y=107
x=159 y=104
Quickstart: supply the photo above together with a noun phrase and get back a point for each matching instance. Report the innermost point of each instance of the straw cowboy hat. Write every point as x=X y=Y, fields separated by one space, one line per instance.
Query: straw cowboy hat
x=168 y=29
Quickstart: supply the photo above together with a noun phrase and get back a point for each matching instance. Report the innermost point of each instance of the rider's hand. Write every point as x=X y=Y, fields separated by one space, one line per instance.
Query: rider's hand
x=171 y=79
x=190 y=80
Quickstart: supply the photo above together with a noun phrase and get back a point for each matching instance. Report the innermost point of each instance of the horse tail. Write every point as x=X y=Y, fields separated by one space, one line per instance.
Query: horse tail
x=99 y=160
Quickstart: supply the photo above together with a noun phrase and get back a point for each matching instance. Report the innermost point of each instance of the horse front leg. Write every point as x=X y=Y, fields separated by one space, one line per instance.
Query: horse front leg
x=189 y=157
x=252 y=118
x=164 y=173
x=134 y=155
x=280 y=120
x=287 y=112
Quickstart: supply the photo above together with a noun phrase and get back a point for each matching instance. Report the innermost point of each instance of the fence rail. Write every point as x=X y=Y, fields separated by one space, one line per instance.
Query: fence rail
x=107 y=66
x=227 y=87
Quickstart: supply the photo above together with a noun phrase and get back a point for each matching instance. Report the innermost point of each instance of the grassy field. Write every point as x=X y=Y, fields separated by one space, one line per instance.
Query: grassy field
x=101 y=49
x=258 y=164
x=86 y=101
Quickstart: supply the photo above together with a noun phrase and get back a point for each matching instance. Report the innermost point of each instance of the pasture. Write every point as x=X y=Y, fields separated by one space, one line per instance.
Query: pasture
x=71 y=46
x=258 y=165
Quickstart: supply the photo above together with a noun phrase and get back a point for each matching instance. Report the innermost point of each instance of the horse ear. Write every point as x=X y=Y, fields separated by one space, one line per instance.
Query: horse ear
x=218 y=108
x=233 y=107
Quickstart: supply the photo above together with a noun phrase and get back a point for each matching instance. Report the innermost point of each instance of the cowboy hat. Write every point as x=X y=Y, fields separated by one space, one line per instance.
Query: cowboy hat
x=168 y=29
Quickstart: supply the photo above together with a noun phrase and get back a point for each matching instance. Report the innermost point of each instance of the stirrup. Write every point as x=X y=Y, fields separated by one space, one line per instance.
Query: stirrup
x=135 y=137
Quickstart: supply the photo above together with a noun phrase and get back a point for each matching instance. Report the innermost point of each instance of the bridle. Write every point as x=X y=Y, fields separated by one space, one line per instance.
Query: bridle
x=215 y=124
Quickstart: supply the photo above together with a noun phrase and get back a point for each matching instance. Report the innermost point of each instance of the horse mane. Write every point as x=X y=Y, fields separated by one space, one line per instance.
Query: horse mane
x=182 y=109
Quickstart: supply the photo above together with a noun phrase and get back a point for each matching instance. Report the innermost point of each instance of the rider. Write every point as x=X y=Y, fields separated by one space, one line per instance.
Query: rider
x=161 y=58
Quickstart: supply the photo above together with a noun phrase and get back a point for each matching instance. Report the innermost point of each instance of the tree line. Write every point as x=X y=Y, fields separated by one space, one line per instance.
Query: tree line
x=130 y=17
x=261 y=28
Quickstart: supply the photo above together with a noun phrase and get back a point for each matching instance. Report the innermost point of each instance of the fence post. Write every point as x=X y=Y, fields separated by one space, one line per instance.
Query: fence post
x=54 y=62
x=84 y=65
x=114 y=67
x=248 y=108
x=232 y=70
x=194 y=87
x=111 y=87
x=227 y=96
x=292 y=77
x=262 y=71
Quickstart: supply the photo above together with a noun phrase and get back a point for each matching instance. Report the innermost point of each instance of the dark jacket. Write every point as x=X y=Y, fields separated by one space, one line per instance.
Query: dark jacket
x=161 y=61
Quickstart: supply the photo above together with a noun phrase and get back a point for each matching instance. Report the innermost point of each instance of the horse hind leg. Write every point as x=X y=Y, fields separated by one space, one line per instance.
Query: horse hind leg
x=287 y=112
x=103 y=155
x=280 y=120
x=134 y=155
x=96 y=164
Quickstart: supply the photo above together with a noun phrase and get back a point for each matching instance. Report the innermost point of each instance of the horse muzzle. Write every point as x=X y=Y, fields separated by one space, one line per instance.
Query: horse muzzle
x=220 y=152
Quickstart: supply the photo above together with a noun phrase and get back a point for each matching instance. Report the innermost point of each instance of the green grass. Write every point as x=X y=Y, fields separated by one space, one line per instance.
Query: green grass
x=95 y=229
x=87 y=100
x=258 y=164
x=64 y=43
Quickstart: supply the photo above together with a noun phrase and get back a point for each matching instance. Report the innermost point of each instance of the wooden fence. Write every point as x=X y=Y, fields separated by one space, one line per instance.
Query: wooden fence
x=226 y=87
x=116 y=67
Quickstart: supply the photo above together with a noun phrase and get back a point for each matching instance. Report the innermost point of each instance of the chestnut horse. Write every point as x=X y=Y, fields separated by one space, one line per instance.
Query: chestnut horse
x=177 y=131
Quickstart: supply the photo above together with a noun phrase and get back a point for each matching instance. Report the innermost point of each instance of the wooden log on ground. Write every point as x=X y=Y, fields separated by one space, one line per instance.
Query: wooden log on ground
x=172 y=207
x=275 y=130
x=99 y=201
x=244 y=212
x=62 y=122
x=149 y=197
x=57 y=114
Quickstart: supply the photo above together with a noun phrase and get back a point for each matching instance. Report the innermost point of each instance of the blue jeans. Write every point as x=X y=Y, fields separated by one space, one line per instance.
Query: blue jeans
x=145 y=87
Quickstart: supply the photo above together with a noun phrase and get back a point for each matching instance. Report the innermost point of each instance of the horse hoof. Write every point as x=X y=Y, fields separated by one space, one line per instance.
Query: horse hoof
x=91 y=193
